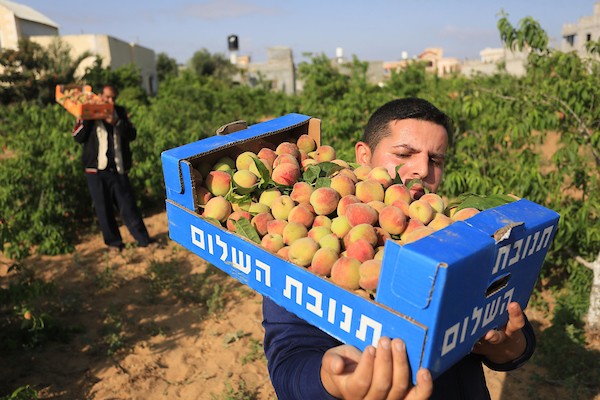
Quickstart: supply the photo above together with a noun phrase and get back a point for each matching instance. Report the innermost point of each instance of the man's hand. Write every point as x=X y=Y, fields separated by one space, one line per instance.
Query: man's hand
x=506 y=344
x=376 y=373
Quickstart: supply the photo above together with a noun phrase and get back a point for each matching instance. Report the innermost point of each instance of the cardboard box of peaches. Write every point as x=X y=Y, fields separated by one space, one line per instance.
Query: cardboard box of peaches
x=361 y=268
x=80 y=101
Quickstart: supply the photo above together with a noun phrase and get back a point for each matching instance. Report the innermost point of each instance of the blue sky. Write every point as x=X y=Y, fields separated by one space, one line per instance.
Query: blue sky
x=369 y=29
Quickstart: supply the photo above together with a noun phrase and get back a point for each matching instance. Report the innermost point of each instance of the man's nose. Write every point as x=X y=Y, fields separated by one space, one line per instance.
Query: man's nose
x=420 y=166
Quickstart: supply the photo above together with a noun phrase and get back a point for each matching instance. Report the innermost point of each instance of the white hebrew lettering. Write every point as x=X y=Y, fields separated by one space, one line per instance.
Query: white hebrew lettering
x=317 y=306
x=502 y=255
x=267 y=269
x=331 y=311
x=517 y=245
x=223 y=246
x=345 y=324
x=198 y=237
x=450 y=338
x=365 y=324
x=293 y=283
x=491 y=309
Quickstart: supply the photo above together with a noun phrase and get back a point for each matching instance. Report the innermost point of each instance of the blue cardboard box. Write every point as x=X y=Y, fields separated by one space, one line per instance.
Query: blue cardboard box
x=439 y=294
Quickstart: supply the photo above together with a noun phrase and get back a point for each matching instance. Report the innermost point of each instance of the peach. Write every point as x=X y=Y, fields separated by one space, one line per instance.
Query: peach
x=323 y=261
x=217 y=208
x=284 y=252
x=345 y=202
x=202 y=195
x=403 y=205
x=288 y=148
x=272 y=242
x=235 y=216
x=293 y=231
x=340 y=226
x=379 y=253
x=285 y=159
x=435 y=200
x=395 y=192
x=381 y=175
x=421 y=210
x=331 y=241
x=276 y=226
x=417 y=234
x=382 y=235
x=244 y=160
x=465 y=213
x=257 y=208
x=349 y=173
x=392 y=220
x=306 y=143
x=377 y=205
x=324 y=200
x=303 y=214
x=369 y=272
x=317 y=232
x=245 y=181
x=361 y=250
x=341 y=163
x=361 y=213
x=344 y=272
x=218 y=183
x=261 y=161
x=286 y=174
x=224 y=164
x=440 y=221
x=301 y=192
x=413 y=224
x=369 y=190
x=281 y=206
x=260 y=221
x=324 y=153
x=361 y=172
x=302 y=251
x=308 y=162
x=362 y=231
x=267 y=154
x=322 y=220
x=342 y=184
x=267 y=196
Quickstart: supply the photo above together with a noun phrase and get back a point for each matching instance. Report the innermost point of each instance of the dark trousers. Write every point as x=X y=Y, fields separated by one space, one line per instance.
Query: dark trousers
x=109 y=188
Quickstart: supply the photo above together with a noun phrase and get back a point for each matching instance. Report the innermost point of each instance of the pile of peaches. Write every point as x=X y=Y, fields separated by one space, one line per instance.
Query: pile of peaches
x=301 y=202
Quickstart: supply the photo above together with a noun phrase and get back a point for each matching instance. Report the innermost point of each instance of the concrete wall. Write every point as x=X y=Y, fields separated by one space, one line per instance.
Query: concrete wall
x=279 y=69
x=13 y=28
x=114 y=52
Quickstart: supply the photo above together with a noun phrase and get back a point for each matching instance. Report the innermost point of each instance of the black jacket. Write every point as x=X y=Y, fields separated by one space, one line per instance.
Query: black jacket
x=93 y=135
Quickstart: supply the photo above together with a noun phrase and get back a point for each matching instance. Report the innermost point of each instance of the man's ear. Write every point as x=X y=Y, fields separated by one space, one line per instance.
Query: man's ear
x=362 y=153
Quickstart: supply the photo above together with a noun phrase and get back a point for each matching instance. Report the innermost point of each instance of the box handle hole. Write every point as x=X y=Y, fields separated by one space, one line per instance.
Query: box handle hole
x=497 y=285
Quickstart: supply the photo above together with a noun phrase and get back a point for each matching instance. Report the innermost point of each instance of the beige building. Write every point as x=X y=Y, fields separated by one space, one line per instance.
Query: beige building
x=279 y=69
x=493 y=60
x=18 y=21
x=575 y=36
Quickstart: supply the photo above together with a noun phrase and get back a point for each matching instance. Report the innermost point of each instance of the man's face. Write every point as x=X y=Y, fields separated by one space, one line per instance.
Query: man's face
x=419 y=146
x=109 y=95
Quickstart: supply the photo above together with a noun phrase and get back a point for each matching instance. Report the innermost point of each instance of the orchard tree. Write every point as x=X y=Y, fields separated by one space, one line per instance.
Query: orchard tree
x=559 y=93
x=203 y=63
x=166 y=66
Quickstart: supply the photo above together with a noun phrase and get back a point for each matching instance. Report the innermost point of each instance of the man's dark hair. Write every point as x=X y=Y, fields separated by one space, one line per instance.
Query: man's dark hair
x=378 y=126
x=108 y=85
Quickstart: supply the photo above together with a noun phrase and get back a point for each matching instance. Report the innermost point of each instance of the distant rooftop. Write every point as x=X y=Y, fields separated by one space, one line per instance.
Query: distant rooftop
x=27 y=13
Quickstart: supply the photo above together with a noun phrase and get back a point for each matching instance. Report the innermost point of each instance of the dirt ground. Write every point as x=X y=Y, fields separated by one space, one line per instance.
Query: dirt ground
x=168 y=348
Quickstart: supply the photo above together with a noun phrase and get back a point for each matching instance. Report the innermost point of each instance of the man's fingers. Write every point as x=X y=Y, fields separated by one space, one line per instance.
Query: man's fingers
x=424 y=387
x=516 y=318
x=401 y=370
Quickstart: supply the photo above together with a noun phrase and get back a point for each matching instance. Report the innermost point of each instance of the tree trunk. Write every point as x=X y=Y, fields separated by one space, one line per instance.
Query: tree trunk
x=593 y=316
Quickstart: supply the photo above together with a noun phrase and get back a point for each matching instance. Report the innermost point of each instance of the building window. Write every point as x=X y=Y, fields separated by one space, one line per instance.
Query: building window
x=570 y=40
x=588 y=37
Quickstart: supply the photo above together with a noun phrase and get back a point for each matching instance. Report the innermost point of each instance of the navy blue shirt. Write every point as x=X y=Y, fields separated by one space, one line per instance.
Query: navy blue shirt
x=295 y=349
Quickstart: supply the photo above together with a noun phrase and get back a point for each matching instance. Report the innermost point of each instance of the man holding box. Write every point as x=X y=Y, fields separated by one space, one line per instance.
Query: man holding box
x=107 y=159
x=306 y=363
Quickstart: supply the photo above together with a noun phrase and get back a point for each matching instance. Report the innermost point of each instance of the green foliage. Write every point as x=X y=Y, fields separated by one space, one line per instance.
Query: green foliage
x=126 y=76
x=166 y=67
x=22 y=393
x=203 y=63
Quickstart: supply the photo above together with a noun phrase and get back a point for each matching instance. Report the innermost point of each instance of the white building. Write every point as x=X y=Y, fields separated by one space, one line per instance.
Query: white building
x=575 y=36
x=18 y=21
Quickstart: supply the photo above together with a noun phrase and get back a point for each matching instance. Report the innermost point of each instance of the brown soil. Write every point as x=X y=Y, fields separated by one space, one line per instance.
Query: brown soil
x=170 y=348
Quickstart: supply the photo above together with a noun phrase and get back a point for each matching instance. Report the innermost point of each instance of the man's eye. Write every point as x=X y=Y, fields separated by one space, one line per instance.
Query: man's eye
x=437 y=161
x=402 y=155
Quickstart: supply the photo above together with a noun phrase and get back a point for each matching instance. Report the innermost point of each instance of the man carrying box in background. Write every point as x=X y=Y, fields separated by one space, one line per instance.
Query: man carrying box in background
x=306 y=363
x=106 y=157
